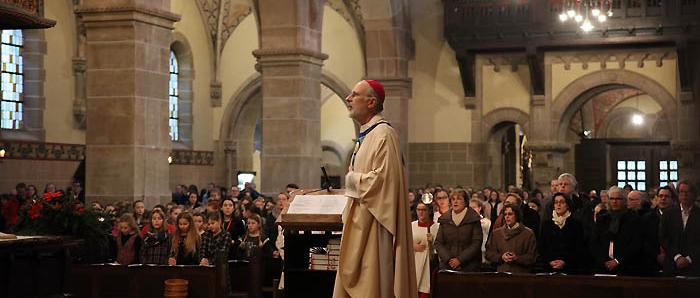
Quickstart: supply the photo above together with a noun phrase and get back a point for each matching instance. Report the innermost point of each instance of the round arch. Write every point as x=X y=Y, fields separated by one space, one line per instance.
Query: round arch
x=252 y=85
x=577 y=93
x=500 y=115
x=238 y=119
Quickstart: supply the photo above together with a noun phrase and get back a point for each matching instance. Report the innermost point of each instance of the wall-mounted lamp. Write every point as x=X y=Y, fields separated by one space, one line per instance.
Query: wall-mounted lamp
x=170 y=159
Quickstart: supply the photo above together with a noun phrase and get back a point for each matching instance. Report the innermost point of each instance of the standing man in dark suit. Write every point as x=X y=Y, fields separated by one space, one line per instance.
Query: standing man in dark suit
x=616 y=241
x=679 y=234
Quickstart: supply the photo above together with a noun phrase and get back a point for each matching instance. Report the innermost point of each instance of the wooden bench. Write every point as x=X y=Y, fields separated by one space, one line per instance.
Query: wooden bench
x=454 y=284
x=105 y=280
x=108 y=280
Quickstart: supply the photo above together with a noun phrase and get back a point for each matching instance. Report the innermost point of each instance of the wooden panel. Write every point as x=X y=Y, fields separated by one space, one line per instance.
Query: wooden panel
x=591 y=164
x=451 y=284
x=141 y=281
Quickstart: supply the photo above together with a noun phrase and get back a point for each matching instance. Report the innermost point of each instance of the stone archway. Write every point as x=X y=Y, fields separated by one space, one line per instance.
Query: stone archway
x=500 y=115
x=241 y=115
x=496 y=124
x=572 y=98
x=238 y=127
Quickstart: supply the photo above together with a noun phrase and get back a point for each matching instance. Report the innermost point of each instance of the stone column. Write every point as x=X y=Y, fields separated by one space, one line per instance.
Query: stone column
x=230 y=156
x=128 y=45
x=398 y=92
x=387 y=53
x=290 y=61
x=686 y=145
x=547 y=162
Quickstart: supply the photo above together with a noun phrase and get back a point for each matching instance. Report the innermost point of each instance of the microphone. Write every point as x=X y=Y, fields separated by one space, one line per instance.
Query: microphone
x=325 y=183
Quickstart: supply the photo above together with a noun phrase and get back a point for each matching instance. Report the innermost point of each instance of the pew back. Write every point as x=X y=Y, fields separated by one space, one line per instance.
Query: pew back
x=454 y=284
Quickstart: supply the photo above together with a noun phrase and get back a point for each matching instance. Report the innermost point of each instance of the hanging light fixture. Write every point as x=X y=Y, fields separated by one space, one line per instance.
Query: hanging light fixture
x=586 y=13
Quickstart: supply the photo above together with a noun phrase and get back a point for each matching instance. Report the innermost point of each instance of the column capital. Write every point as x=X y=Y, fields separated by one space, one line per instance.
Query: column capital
x=548 y=146
x=396 y=86
x=112 y=15
x=286 y=56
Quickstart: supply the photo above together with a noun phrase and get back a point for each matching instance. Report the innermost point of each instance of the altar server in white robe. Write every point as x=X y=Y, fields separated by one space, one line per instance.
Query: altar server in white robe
x=424 y=231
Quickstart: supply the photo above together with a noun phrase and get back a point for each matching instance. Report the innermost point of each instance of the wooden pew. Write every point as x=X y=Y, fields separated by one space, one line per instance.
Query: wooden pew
x=456 y=284
x=35 y=266
x=105 y=280
x=108 y=280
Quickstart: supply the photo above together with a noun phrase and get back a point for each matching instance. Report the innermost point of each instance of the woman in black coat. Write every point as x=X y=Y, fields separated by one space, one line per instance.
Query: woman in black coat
x=561 y=242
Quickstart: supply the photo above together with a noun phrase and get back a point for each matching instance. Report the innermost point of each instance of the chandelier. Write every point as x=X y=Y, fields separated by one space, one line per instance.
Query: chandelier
x=585 y=12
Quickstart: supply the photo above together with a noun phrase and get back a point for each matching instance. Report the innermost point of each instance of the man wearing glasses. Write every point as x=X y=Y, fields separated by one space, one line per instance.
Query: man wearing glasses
x=617 y=240
x=679 y=234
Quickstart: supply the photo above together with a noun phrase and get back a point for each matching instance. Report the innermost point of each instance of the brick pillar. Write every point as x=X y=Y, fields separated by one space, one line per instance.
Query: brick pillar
x=128 y=46
x=290 y=61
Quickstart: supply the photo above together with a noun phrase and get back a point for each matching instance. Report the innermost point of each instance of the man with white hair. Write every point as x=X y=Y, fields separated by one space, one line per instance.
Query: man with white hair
x=376 y=249
x=616 y=241
x=634 y=200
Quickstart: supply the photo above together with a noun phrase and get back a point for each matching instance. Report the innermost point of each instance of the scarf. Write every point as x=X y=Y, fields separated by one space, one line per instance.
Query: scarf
x=513 y=231
x=560 y=221
x=152 y=239
x=615 y=218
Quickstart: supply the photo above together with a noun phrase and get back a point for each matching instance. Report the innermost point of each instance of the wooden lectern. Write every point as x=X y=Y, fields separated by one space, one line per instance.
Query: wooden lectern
x=303 y=231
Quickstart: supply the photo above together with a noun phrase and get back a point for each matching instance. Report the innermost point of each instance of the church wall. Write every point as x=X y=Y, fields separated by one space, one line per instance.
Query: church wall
x=436 y=109
x=36 y=172
x=237 y=66
x=345 y=64
x=504 y=87
x=192 y=27
x=59 y=84
x=439 y=127
x=644 y=103
x=665 y=75
x=345 y=54
x=191 y=174
x=337 y=129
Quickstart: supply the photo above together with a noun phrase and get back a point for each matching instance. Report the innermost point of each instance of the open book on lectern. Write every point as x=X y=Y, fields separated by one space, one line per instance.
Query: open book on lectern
x=315 y=210
x=318 y=204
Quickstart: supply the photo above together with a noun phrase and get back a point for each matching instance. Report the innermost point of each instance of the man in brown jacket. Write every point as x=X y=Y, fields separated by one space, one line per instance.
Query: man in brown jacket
x=458 y=241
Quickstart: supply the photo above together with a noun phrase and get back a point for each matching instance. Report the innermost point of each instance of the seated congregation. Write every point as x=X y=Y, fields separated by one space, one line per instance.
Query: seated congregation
x=618 y=231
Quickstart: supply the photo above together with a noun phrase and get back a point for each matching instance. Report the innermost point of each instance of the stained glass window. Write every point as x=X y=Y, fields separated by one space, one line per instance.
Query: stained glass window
x=173 y=97
x=11 y=79
x=668 y=172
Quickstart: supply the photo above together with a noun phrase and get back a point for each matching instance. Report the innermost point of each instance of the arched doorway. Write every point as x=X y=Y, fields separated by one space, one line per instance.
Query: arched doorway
x=508 y=156
x=621 y=128
x=509 y=159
